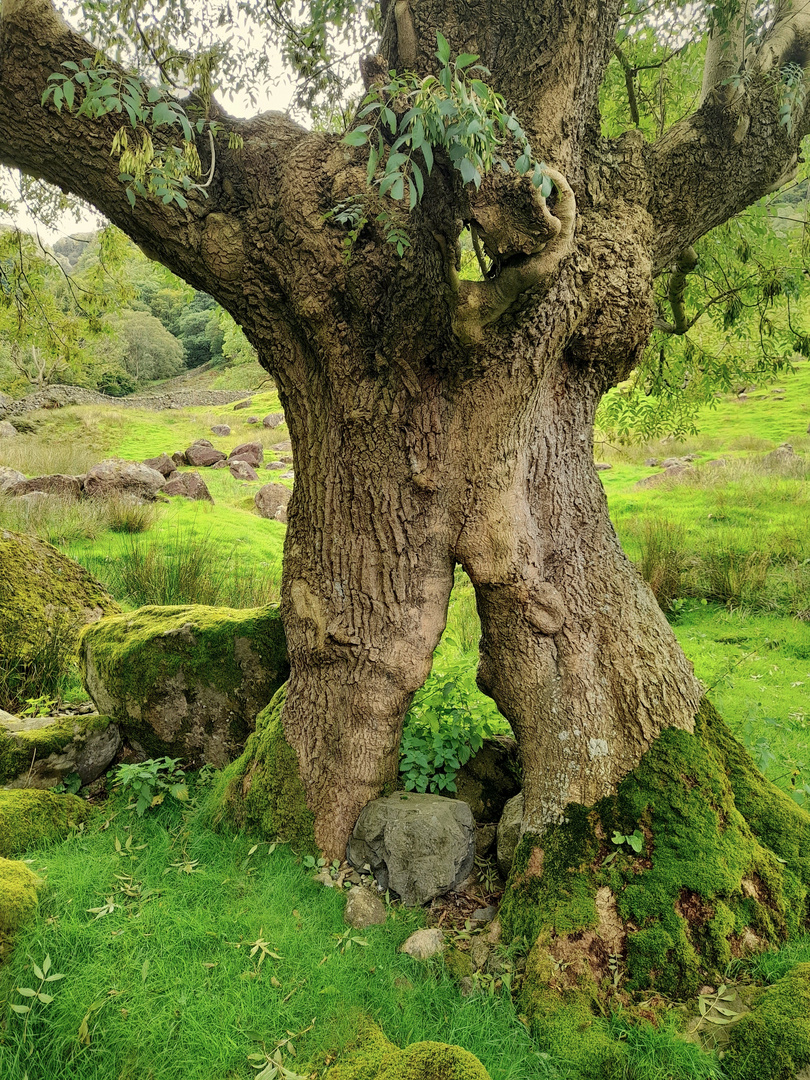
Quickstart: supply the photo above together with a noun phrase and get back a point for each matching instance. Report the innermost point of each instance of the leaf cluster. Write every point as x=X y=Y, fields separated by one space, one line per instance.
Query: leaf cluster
x=441 y=731
x=150 y=781
x=456 y=111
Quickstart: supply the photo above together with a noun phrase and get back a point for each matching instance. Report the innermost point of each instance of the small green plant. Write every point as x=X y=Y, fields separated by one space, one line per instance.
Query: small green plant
x=151 y=781
x=442 y=731
x=39 y=706
x=635 y=840
x=35 y=995
x=71 y=784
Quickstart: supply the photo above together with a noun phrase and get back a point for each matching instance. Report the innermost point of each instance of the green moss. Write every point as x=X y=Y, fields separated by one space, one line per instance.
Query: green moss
x=373 y=1057
x=29 y=817
x=18 y=900
x=19 y=748
x=458 y=963
x=37 y=583
x=773 y=1040
x=725 y=852
x=261 y=791
x=135 y=651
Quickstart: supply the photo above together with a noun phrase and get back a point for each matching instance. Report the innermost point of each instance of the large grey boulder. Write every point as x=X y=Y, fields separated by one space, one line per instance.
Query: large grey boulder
x=40 y=752
x=241 y=470
x=68 y=487
x=116 y=476
x=10 y=477
x=202 y=454
x=185 y=681
x=190 y=485
x=251 y=452
x=419 y=846
x=270 y=499
x=509 y=833
x=7 y=430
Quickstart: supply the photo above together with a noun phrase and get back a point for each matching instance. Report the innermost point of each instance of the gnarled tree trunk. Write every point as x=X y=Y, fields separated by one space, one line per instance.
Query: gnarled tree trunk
x=437 y=421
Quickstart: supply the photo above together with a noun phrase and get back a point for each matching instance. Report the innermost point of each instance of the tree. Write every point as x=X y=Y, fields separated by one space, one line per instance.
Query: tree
x=434 y=420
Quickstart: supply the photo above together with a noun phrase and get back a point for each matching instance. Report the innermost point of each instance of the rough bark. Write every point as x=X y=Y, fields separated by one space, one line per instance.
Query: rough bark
x=436 y=422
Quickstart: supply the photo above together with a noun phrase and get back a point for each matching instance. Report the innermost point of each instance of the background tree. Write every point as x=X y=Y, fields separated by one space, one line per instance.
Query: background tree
x=434 y=421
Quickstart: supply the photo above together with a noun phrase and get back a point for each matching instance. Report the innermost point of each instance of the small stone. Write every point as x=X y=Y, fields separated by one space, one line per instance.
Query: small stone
x=243 y=404
x=269 y=465
x=162 y=464
x=484 y=914
x=424 y=943
x=479 y=954
x=363 y=908
x=288 y=475
x=7 y=430
x=220 y=429
x=190 y=485
x=602 y=466
x=252 y=453
x=671 y=463
x=253 y=420
x=466 y=986
x=240 y=470
x=651 y=462
x=281 y=447
x=323 y=877
x=273 y=419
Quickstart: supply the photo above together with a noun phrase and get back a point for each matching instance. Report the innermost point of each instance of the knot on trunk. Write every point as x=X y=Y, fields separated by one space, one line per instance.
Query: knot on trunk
x=544 y=608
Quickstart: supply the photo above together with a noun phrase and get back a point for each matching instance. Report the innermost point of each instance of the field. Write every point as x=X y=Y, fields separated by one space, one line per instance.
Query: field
x=187 y=954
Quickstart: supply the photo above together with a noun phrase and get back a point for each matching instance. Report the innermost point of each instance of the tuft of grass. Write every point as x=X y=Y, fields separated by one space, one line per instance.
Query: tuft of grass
x=47 y=671
x=664 y=557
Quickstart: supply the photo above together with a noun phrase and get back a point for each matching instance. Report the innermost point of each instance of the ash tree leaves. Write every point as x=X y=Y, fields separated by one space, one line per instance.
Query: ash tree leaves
x=169 y=172
x=456 y=111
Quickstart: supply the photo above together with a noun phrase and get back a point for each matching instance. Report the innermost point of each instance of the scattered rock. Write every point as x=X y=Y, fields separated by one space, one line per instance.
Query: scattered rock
x=489 y=779
x=484 y=914
x=363 y=908
x=251 y=452
x=162 y=464
x=509 y=833
x=114 y=476
x=243 y=404
x=220 y=429
x=282 y=447
x=674 y=472
x=10 y=477
x=651 y=462
x=270 y=498
x=185 y=681
x=190 y=485
x=671 y=463
x=273 y=419
x=7 y=430
x=782 y=457
x=253 y=420
x=689 y=457
x=717 y=463
x=240 y=470
x=273 y=465
x=281 y=515
x=220 y=464
x=602 y=466
x=485 y=837
x=179 y=458
x=423 y=944
x=39 y=752
x=68 y=487
x=420 y=846
x=203 y=455
x=323 y=877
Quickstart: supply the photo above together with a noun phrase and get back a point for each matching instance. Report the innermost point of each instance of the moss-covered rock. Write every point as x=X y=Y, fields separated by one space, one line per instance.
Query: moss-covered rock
x=773 y=1040
x=39 y=752
x=373 y=1057
x=29 y=818
x=45 y=599
x=186 y=681
x=723 y=870
x=261 y=791
x=18 y=900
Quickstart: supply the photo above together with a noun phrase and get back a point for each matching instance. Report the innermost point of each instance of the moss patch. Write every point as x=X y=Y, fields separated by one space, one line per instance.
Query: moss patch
x=261 y=791
x=773 y=1040
x=20 y=746
x=373 y=1057
x=708 y=884
x=38 y=585
x=138 y=649
x=29 y=817
x=18 y=900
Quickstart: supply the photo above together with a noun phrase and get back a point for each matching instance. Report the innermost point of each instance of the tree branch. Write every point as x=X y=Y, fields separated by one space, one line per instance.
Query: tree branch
x=481 y=303
x=684 y=265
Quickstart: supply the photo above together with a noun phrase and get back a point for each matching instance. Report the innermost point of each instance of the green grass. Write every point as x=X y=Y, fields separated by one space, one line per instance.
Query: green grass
x=169 y=981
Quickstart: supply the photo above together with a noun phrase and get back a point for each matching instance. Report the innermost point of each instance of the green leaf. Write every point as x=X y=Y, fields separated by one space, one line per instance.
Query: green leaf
x=38 y=972
x=357 y=137
x=443 y=49
x=427 y=154
x=21 y=1009
x=418 y=180
x=155 y=94
x=69 y=90
x=465 y=59
x=163 y=114
x=398 y=188
x=26 y=991
x=389 y=117
x=46 y=999
x=469 y=173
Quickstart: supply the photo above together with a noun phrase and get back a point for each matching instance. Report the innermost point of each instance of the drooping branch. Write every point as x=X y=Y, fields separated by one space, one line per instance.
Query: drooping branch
x=72 y=151
x=684 y=265
x=481 y=303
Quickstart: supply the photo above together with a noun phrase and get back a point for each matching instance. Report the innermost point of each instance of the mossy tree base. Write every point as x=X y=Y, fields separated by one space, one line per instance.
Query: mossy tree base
x=724 y=870
x=261 y=792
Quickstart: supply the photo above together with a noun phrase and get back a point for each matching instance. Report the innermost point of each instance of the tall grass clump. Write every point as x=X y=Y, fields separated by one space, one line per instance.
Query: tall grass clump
x=40 y=455
x=180 y=568
x=61 y=521
x=664 y=558
x=45 y=670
